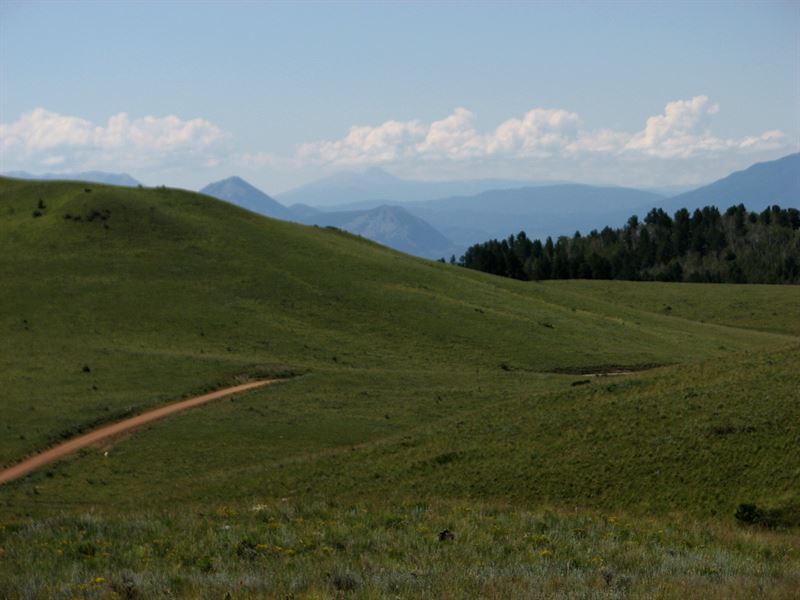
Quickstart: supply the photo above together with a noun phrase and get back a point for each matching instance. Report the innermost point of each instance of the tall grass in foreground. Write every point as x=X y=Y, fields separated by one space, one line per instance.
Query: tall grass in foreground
x=323 y=550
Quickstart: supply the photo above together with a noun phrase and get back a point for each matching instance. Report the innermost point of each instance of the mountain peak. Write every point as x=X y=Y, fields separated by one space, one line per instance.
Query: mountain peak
x=237 y=191
x=233 y=179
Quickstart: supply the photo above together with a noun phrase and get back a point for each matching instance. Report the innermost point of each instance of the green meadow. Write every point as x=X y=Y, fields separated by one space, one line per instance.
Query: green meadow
x=418 y=397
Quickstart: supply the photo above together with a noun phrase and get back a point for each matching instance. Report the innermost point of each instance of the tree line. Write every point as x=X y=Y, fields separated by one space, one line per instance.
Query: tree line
x=736 y=246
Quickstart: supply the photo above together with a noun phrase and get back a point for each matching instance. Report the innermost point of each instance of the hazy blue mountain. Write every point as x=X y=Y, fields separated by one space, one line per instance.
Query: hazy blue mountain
x=571 y=198
x=539 y=211
x=668 y=191
x=237 y=191
x=302 y=211
x=758 y=186
x=391 y=226
x=122 y=179
x=375 y=186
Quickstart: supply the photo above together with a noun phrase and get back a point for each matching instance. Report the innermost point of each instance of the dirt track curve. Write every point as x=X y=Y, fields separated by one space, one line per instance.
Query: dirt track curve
x=58 y=452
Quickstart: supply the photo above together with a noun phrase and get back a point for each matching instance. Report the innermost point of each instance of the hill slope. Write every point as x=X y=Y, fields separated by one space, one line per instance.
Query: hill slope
x=757 y=187
x=117 y=300
x=237 y=191
x=426 y=397
x=122 y=179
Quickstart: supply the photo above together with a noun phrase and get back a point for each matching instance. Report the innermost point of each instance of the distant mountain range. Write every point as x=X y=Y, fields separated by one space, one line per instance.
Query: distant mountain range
x=237 y=191
x=376 y=186
x=122 y=179
x=437 y=219
x=445 y=226
x=539 y=211
x=549 y=209
x=438 y=227
x=391 y=226
x=759 y=186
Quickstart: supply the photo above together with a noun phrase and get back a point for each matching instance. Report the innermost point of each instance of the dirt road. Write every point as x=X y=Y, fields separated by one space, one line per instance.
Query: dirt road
x=58 y=452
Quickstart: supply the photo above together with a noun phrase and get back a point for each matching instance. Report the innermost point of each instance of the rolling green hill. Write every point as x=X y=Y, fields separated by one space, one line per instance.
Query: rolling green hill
x=163 y=292
x=414 y=382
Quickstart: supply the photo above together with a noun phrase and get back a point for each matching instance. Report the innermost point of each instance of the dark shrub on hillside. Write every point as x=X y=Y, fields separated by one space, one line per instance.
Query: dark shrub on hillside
x=749 y=514
x=785 y=516
x=345 y=582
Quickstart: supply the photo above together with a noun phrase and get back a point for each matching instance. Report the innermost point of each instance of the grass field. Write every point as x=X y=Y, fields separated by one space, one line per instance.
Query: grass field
x=757 y=307
x=326 y=550
x=422 y=396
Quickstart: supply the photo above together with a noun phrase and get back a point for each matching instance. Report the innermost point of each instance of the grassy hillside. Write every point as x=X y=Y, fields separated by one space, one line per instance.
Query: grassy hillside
x=759 y=307
x=416 y=382
x=163 y=292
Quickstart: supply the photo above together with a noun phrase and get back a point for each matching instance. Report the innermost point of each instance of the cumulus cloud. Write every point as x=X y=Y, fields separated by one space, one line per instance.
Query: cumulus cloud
x=452 y=137
x=388 y=142
x=540 y=132
x=42 y=137
x=552 y=140
x=682 y=131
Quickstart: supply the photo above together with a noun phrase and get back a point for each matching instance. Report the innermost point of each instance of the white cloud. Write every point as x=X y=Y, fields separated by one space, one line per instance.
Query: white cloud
x=542 y=142
x=682 y=131
x=42 y=137
x=41 y=131
x=601 y=141
x=540 y=132
x=452 y=137
x=768 y=139
x=388 y=142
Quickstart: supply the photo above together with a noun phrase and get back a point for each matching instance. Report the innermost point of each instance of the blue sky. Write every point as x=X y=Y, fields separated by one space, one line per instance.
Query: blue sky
x=183 y=93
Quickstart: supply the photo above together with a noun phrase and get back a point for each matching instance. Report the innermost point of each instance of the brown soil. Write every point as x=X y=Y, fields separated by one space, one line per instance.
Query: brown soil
x=69 y=447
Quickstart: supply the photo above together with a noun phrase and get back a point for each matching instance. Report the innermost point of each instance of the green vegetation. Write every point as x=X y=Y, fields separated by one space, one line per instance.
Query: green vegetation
x=705 y=246
x=750 y=306
x=423 y=395
x=324 y=550
x=185 y=292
